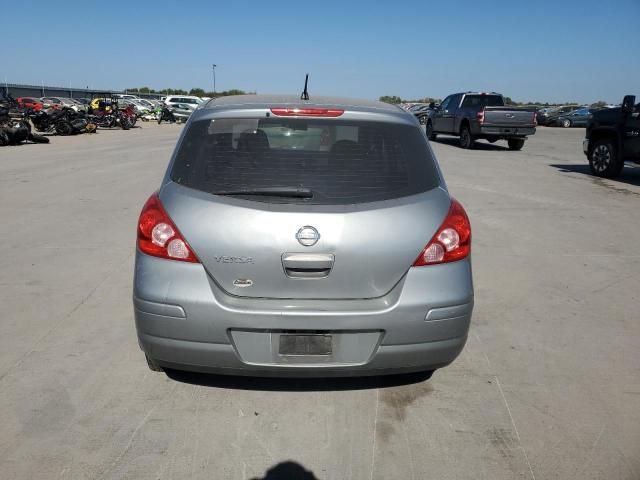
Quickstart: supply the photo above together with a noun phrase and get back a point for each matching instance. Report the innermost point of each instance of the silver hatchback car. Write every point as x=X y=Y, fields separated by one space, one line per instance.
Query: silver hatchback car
x=302 y=238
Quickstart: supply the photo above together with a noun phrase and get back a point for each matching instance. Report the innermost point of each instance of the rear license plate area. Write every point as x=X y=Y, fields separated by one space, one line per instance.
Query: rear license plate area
x=300 y=345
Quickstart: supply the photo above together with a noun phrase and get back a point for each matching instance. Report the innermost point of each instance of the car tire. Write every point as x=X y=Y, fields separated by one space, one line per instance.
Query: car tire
x=431 y=135
x=604 y=160
x=515 y=143
x=566 y=123
x=466 y=139
x=153 y=366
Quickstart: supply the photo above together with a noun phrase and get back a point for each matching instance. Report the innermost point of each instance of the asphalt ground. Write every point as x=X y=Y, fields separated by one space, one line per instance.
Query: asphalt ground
x=548 y=386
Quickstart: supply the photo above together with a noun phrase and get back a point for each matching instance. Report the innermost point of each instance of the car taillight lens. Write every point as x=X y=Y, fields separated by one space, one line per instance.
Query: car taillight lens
x=451 y=242
x=535 y=119
x=480 y=116
x=307 y=112
x=158 y=236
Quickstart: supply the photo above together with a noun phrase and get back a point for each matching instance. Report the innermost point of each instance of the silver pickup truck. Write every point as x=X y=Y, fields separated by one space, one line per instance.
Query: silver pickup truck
x=473 y=116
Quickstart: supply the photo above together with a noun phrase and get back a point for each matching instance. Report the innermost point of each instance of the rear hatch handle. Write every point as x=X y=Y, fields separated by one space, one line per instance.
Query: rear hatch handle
x=307 y=265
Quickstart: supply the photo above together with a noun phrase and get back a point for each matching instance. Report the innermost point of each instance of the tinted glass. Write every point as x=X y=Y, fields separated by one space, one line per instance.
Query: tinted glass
x=340 y=161
x=479 y=101
x=445 y=103
x=454 y=102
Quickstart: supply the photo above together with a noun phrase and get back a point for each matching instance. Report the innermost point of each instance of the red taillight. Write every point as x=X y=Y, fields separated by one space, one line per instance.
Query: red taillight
x=480 y=117
x=451 y=242
x=158 y=236
x=307 y=112
x=535 y=119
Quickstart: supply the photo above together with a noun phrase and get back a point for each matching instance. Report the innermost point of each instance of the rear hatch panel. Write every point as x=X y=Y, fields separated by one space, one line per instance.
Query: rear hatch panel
x=242 y=244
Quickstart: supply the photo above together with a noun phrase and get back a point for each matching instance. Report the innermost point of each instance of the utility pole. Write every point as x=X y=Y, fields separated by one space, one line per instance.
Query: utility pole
x=213 y=65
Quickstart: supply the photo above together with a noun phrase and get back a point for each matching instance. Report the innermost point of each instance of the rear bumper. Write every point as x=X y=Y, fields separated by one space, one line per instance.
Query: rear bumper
x=224 y=359
x=185 y=321
x=506 y=132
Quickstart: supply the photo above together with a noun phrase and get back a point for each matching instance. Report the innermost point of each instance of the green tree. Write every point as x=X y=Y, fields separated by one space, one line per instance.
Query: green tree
x=391 y=99
x=599 y=104
x=198 y=92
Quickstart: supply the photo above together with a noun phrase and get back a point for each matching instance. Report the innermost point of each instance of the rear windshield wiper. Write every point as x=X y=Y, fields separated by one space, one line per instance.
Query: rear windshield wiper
x=294 y=192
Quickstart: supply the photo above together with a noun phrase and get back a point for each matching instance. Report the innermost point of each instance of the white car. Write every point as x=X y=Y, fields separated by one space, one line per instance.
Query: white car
x=126 y=97
x=188 y=100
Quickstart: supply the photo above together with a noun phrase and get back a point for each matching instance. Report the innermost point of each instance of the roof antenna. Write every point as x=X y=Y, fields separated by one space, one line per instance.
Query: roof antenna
x=305 y=94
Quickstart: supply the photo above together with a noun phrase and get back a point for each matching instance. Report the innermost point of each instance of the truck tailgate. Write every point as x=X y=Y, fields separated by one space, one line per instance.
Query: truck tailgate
x=508 y=117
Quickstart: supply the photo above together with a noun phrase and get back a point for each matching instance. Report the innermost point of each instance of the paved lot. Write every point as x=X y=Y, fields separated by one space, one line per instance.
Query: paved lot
x=548 y=386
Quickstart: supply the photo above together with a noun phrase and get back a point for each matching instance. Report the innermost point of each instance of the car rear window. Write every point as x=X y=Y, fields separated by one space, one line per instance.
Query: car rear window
x=340 y=161
x=482 y=101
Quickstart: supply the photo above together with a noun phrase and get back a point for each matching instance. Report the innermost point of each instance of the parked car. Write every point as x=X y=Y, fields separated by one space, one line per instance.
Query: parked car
x=613 y=136
x=549 y=116
x=181 y=111
x=421 y=112
x=266 y=250
x=73 y=104
x=124 y=96
x=473 y=116
x=52 y=102
x=577 y=118
x=139 y=106
x=29 y=102
x=146 y=103
x=190 y=101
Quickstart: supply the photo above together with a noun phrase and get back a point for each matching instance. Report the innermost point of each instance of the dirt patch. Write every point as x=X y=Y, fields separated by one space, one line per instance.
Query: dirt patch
x=399 y=398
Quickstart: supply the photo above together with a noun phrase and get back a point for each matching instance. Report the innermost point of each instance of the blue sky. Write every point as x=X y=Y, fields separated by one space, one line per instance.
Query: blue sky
x=562 y=50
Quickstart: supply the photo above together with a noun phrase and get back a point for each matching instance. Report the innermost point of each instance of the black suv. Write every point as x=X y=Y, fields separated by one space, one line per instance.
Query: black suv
x=613 y=136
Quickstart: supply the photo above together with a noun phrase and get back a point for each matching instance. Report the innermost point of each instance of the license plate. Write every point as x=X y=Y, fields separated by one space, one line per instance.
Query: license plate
x=305 y=344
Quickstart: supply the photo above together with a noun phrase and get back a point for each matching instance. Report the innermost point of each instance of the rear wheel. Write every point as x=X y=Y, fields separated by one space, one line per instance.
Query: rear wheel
x=64 y=128
x=604 y=160
x=153 y=366
x=566 y=123
x=515 y=143
x=125 y=123
x=466 y=139
x=431 y=135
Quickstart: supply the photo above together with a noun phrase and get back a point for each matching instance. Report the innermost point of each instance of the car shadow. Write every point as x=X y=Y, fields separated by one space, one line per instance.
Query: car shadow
x=479 y=145
x=288 y=470
x=630 y=175
x=285 y=384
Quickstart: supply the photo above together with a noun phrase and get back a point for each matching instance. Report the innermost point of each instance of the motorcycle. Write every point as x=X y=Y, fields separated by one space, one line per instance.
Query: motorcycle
x=14 y=125
x=166 y=114
x=108 y=115
x=62 y=122
x=127 y=115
